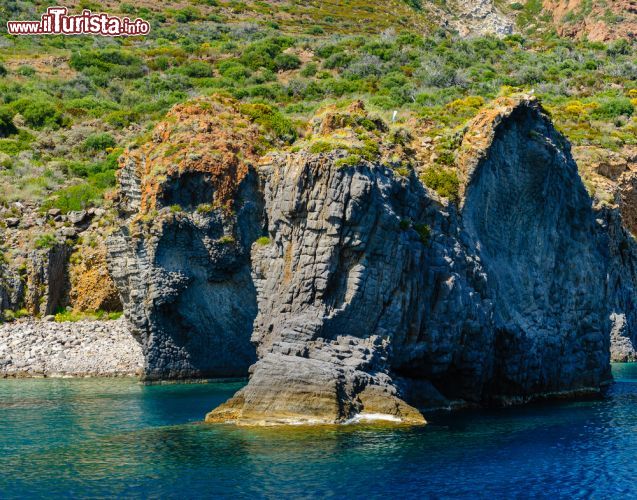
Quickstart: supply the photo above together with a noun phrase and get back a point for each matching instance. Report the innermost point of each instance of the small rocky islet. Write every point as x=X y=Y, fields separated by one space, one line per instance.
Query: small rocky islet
x=334 y=278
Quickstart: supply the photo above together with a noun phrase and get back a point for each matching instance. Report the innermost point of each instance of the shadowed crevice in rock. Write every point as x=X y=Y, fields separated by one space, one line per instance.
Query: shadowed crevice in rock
x=188 y=190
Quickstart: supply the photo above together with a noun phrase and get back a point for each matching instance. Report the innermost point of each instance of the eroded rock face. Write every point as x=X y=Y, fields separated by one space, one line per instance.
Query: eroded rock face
x=530 y=218
x=622 y=286
x=595 y=20
x=365 y=294
x=335 y=285
x=480 y=17
x=47 y=284
x=363 y=311
x=181 y=262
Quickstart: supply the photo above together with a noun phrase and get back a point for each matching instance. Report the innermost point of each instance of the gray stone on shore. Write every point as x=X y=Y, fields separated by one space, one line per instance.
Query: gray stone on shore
x=35 y=348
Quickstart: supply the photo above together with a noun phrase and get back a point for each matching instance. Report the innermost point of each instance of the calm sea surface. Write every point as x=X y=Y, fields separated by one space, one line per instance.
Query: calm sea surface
x=118 y=438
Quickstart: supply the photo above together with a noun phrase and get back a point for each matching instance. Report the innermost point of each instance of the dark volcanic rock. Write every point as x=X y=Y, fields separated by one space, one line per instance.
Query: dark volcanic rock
x=363 y=312
x=369 y=297
x=181 y=262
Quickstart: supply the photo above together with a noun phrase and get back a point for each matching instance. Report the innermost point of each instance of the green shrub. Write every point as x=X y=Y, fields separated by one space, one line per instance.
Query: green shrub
x=39 y=112
x=262 y=54
x=10 y=315
x=103 y=180
x=14 y=146
x=205 y=208
x=187 y=15
x=197 y=69
x=89 y=104
x=322 y=147
x=127 y=8
x=315 y=30
x=619 y=47
x=26 y=70
x=337 y=61
x=309 y=70
x=7 y=127
x=122 y=118
x=271 y=120
x=348 y=161
x=104 y=59
x=614 y=107
x=104 y=65
x=226 y=240
x=444 y=182
x=99 y=142
x=234 y=70
x=287 y=62
x=45 y=241
x=72 y=198
x=68 y=315
x=263 y=241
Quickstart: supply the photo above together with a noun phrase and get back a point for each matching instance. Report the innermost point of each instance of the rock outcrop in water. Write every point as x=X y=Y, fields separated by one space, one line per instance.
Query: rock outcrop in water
x=367 y=295
x=192 y=209
x=369 y=313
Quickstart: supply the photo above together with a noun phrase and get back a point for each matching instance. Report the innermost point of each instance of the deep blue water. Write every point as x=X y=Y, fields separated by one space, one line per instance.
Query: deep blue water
x=118 y=438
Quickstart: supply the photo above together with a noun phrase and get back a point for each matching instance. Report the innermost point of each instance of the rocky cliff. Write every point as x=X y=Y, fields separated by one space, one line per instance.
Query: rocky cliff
x=54 y=261
x=191 y=209
x=364 y=293
x=370 y=313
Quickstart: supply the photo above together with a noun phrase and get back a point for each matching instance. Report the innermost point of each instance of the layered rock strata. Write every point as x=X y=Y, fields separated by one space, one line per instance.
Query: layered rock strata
x=180 y=261
x=363 y=311
x=368 y=296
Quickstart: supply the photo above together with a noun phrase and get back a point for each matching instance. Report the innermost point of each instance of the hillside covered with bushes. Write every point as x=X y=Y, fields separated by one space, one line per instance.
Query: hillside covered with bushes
x=70 y=106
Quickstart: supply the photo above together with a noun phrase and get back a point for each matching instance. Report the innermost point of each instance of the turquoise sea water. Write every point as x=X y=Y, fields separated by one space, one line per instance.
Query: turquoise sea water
x=118 y=438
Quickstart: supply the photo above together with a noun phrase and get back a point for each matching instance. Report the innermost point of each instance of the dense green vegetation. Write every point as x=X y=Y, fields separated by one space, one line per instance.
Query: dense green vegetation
x=69 y=104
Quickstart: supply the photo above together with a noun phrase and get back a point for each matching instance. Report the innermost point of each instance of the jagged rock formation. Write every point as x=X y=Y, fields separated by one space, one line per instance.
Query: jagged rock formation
x=622 y=281
x=506 y=301
x=53 y=261
x=181 y=259
x=91 y=285
x=369 y=297
x=46 y=286
x=611 y=178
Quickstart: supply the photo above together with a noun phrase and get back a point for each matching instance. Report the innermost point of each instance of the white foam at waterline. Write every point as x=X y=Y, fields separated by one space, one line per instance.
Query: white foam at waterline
x=373 y=417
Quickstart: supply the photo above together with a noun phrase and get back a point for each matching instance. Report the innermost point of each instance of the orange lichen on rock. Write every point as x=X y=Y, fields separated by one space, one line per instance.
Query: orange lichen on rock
x=207 y=136
x=92 y=288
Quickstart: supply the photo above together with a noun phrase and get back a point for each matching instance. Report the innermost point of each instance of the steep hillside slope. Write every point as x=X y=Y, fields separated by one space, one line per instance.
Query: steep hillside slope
x=596 y=20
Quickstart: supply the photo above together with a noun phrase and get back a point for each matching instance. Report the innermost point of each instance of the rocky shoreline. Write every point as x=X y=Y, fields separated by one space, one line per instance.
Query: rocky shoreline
x=35 y=348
